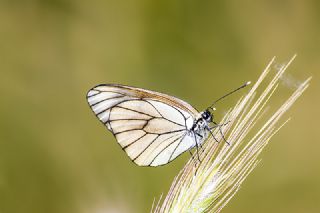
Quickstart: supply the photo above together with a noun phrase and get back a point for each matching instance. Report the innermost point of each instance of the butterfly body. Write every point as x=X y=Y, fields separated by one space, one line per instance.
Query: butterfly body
x=200 y=129
x=151 y=127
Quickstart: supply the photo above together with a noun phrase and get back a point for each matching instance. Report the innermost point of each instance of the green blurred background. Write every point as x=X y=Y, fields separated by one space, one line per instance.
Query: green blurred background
x=56 y=157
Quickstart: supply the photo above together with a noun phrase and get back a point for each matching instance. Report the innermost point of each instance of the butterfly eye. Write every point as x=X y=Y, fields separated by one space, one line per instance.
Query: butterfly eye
x=206 y=115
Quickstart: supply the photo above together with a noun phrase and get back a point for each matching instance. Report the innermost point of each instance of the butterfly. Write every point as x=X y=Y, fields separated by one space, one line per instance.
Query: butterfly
x=151 y=127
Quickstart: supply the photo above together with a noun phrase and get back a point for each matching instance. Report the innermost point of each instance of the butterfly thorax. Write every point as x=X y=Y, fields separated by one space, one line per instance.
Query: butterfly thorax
x=200 y=127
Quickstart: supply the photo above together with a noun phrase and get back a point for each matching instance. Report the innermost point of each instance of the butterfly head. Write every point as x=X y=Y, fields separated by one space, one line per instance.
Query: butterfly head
x=207 y=116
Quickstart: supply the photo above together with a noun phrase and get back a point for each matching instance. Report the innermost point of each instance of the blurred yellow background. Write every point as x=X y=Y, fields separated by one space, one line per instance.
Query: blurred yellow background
x=55 y=156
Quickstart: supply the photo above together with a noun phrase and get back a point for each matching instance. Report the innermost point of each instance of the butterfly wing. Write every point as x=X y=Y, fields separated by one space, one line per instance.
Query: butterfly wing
x=151 y=127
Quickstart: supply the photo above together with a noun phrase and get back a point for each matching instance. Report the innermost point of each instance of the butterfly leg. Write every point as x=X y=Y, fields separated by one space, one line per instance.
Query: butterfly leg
x=218 y=125
x=196 y=166
x=197 y=146
x=220 y=130
x=193 y=159
x=200 y=145
x=210 y=130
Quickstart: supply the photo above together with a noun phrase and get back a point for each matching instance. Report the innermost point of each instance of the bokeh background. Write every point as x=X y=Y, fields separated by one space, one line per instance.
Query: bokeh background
x=56 y=157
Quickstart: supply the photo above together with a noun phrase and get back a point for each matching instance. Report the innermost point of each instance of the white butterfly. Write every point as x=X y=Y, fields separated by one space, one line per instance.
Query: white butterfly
x=151 y=127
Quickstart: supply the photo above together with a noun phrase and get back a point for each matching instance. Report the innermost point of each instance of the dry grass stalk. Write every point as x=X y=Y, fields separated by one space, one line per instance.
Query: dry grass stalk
x=210 y=186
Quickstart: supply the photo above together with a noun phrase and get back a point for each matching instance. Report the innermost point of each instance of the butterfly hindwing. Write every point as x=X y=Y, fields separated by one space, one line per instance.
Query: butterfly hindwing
x=150 y=127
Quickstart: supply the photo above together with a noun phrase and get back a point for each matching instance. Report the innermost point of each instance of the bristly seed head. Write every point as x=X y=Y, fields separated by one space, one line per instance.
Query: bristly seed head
x=223 y=168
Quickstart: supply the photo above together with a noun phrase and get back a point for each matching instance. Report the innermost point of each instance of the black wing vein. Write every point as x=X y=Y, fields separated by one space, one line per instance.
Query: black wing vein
x=166 y=148
x=165 y=117
x=141 y=118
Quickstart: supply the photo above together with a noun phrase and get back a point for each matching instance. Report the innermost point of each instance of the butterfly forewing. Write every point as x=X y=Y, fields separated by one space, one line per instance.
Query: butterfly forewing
x=151 y=127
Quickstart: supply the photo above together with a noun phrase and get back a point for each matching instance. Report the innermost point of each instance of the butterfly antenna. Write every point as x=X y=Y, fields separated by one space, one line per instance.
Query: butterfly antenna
x=233 y=91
